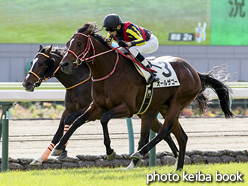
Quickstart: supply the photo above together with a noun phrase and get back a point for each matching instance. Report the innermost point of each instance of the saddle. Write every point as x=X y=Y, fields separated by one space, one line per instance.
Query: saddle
x=163 y=69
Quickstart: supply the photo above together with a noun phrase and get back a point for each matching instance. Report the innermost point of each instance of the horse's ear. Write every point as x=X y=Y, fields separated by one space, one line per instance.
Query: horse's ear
x=50 y=48
x=67 y=44
x=40 y=48
x=91 y=28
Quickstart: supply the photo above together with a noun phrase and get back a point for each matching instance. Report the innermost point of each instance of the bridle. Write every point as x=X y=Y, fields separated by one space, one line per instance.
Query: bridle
x=82 y=57
x=40 y=80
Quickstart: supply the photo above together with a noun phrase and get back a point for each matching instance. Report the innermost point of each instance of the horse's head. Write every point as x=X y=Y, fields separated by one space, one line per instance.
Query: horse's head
x=78 y=47
x=42 y=67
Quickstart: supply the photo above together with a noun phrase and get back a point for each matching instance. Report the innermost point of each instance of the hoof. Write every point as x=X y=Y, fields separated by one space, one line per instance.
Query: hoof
x=62 y=156
x=136 y=156
x=176 y=164
x=130 y=166
x=56 y=152
x=37 y=162
x=133 y=164
x=112 y=156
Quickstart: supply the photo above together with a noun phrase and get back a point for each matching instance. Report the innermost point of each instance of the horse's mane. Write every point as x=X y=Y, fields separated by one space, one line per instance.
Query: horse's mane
x=56 y=50
x=59 y=51
x=91 y=28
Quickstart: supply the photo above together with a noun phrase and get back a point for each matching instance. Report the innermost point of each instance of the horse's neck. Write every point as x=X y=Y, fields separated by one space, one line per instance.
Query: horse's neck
x=62 y=77
x=103 y=65
x=78 y=75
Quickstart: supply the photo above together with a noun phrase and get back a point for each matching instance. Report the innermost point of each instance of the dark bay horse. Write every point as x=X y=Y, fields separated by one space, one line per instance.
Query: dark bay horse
x=78 y=90
x=118 y=91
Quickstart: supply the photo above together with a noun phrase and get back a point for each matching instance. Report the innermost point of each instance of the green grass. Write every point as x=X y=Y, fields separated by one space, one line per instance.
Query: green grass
x=107 y=176
x=32 y=21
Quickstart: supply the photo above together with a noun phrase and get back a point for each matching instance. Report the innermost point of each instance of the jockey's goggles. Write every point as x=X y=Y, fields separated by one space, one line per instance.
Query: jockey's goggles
x=111 y=29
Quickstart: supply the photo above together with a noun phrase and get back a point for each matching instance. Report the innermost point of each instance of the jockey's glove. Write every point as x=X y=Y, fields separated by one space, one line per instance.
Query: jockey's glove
x=122 y=43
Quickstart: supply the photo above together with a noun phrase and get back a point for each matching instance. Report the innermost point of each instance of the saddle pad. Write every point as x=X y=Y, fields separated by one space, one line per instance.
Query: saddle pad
x=165 y=72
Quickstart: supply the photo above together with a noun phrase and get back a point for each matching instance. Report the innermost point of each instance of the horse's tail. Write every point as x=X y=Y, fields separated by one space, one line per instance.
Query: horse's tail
x=208 y=81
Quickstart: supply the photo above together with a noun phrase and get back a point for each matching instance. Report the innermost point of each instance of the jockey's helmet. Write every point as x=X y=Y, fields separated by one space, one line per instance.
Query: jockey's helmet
x=112 y=20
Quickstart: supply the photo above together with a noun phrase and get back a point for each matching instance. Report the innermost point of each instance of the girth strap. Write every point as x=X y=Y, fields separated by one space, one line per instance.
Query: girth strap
x=147 y=99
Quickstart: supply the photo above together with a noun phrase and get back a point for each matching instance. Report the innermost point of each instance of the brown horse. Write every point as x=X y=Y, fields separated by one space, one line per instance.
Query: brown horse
x=118 y=91
x=78 y=90
x=44 y=66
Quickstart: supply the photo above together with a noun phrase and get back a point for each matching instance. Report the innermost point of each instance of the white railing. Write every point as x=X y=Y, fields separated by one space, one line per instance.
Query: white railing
x=14 y=92
x=55 y=91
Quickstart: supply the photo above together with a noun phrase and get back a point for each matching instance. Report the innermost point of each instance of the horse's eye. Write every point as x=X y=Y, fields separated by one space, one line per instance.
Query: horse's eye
x=79 y=44
x=40 y=64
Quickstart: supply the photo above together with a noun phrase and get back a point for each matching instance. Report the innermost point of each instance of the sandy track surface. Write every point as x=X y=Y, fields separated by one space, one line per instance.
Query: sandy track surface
x=29 y=138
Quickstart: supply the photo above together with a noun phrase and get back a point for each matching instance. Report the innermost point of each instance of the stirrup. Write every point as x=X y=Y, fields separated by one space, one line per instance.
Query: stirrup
x=153 y=78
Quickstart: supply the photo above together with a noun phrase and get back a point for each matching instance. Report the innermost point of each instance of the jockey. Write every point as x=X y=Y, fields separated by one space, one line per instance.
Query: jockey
x=139 y=40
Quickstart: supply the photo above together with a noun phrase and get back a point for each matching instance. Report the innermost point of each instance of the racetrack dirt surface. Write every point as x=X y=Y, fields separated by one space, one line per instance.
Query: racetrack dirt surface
x=30 y=138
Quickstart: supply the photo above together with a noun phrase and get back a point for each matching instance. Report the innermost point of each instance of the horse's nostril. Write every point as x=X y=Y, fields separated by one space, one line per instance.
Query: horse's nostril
x=65 y=64
x=27 y=84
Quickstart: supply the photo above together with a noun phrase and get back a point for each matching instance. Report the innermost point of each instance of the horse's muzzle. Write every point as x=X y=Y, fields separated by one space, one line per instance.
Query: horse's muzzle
x=28 y=86
x=66 y=67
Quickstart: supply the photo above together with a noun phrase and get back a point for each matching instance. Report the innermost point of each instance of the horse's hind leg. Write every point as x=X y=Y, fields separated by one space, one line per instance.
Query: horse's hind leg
x=182 y=139
x=147 y=120
x=165 y=130
x=156 y=127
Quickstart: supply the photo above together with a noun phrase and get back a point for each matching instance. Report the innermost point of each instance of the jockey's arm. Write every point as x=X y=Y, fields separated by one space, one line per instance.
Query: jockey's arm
x=135 y=37
x=109 y=37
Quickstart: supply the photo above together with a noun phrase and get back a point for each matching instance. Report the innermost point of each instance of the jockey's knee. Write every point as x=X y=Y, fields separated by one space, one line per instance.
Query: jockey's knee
x=134 y=51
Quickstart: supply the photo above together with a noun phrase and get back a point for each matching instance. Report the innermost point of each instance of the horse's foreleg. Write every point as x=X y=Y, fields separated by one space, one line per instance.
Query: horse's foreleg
x=70 y=118
x=109 y=151
x=120 y=111
x=55 y=140
x=94 y=112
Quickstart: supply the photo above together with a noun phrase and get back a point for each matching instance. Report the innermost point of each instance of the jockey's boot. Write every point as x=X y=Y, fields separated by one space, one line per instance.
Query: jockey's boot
x=153 y=77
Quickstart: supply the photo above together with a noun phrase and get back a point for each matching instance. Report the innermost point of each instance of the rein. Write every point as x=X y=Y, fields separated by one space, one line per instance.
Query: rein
x=80 y=59
x=44 y=79
x=88 y=78
x=100 y=79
